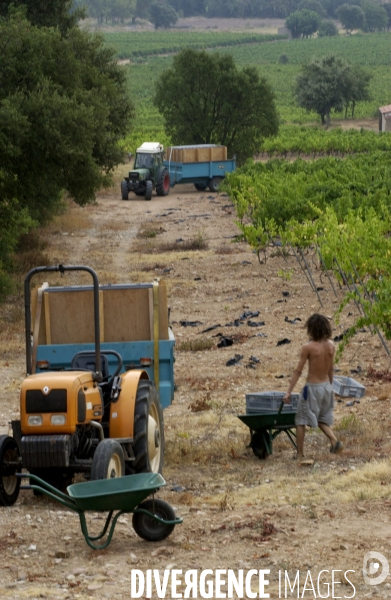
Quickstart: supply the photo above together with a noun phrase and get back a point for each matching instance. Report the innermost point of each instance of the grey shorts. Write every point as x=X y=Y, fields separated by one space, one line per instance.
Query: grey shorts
x=316 y=404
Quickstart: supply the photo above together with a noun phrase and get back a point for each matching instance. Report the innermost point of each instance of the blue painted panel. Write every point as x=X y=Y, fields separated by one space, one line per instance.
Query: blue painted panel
x=60 y=357
x=199 y=172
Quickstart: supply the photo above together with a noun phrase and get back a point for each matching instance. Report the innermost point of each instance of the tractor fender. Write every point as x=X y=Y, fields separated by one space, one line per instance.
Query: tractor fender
x=122 y=410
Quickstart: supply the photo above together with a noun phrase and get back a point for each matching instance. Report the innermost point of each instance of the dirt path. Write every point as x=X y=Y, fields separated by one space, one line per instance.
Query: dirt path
x=239 y=512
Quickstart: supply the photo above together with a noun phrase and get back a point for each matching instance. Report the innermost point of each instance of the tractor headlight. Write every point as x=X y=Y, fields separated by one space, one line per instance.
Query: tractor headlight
x=35 y=420
x=57 y=419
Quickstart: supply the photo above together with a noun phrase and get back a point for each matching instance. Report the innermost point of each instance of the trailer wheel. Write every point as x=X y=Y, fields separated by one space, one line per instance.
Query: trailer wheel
x=163 y=183
x=124 y=190
x=146 y=527
x=148 y=445
x=148 y=189
x=108 y=461
x=214 y=184
x=258 y=445
x=9 y=483
x=200 y=186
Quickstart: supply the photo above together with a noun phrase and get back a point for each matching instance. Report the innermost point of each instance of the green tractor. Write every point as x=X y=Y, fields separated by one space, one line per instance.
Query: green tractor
x=148 y=173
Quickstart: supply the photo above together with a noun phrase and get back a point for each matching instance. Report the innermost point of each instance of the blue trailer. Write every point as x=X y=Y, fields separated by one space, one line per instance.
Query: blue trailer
x=202 y=165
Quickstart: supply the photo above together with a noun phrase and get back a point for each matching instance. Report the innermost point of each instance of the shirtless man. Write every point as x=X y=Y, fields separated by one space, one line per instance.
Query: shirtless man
x=316 y=403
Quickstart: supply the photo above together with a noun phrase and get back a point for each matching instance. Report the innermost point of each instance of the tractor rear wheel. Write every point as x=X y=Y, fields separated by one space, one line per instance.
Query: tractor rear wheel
x=9 y=483
x=148 y=189
x=146 y=527
x=163 y=183
x=124 y=190
x=214 y=184
x=108 y=461
x=148 y=445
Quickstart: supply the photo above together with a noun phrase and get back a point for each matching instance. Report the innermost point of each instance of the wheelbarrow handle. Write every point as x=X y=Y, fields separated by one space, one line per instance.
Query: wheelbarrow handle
x=48 y=490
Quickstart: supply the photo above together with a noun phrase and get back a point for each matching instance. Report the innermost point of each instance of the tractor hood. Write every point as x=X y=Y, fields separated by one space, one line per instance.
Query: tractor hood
x=138 y=174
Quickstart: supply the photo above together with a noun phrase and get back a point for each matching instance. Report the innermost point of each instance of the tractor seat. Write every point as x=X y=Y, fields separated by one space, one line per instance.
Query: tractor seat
x=86 y=360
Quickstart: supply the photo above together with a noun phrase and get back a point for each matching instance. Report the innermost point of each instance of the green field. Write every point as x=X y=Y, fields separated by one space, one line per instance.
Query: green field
x=151 y=53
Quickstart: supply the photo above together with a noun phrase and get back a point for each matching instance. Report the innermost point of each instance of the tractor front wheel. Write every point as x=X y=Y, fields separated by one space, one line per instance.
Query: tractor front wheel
x=148 y=445
x=108 y=461
x=9 y=465
x=146 y=527
x=124 y=190
x=148 y=189
x=163 y=183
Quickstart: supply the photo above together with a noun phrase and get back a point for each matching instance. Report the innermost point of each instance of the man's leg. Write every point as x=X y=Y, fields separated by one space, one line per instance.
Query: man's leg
x=300 y=433
x=336 y=446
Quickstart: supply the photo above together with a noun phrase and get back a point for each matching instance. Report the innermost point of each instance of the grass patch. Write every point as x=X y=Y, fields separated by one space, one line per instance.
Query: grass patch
x=195 y=345
x=225 y=249
x=74 y=219
x=197 y=242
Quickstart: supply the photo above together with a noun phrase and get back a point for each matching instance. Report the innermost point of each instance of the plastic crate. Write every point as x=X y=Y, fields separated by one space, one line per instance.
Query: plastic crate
x=269 y=402
x=348 y=387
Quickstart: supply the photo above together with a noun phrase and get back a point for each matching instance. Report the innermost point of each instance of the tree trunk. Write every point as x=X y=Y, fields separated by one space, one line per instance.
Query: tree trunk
x=327 y=119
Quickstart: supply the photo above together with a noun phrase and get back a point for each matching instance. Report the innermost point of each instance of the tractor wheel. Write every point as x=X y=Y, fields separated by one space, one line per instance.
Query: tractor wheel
x=124 y=190
x=214 y=184
x=200 y=186
x=108 y=461
x=149 y=529
x=258 y=445
x=163 y=183
x=148 y=189
x=148 y=445
x=9 y=483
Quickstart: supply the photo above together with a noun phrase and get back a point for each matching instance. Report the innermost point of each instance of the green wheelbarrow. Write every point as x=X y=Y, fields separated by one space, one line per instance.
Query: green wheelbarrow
x=265 y=427
x=153 y=520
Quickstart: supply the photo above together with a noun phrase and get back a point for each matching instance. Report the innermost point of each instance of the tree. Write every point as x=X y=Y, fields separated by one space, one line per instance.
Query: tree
x=321 y=86
x=205 y=99
x=64 y=107
x=351 y=16
x=327 y=29
x=387 y=8
x=162 y=14
x=142 y=9
x=56 y=13
x=356 y=87
x=376 y=17
x=313 y=5
x=303 y=23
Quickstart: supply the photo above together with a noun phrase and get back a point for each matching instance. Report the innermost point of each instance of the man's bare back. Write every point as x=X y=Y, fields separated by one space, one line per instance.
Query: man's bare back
x=320 y=356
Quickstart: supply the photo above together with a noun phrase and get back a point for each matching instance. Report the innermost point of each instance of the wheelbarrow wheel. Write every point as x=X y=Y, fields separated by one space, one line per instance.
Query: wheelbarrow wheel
x=108 y=461
x=148 y=444
x=258 y=445
x=9 y=483
x=146 y=527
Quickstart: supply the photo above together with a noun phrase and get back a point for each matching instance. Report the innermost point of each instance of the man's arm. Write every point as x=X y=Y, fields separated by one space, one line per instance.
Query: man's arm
x=331 y=368
x=297 y=372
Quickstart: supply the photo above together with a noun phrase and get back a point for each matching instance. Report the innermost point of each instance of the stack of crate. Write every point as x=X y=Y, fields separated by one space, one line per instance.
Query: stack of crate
x=196 y=153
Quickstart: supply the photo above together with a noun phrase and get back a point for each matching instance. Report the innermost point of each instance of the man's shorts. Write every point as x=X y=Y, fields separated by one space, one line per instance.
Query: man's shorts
x=316 y=404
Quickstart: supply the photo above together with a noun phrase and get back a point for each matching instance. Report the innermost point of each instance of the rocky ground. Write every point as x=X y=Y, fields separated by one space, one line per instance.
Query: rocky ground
x=239 y=512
